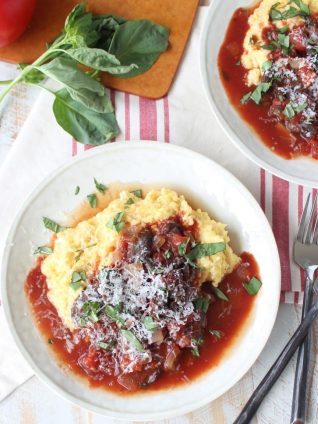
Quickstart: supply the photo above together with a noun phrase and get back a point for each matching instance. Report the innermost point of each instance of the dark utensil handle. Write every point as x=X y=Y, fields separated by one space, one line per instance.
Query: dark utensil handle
x=277 y=368
x=298 y=414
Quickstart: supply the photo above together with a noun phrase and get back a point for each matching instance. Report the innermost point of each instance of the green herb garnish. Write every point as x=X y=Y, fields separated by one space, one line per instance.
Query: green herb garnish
x=301 y=9
x=113 y=312
x=219 y=294
x=167 y=254
x=107 y=346
x=195 y=346
x=130 y=201
x=201 y=304
x=205 y=249
x=43 y=250
x=77 y=279
x=253 y=286
x=289 y=111
x=52 y=225
x=100 y=187
x=77 y=190
x=89 y=312
x=182 y=247
x=267 y=65
x=92 y=200
x=150 y=324
x=216 y=333
x=116 y=223
x=137 y=193
x=132 y=340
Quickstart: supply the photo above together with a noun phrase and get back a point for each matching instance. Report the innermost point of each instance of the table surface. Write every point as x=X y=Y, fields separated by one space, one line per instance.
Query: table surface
x=34 y=403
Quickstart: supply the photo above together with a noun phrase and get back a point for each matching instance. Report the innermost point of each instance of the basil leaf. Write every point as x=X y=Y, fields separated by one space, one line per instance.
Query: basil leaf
x=137 y=193
x=245 y=98
x=130 y=201
x=84 y=124
x=219 y=294
x=301 y=107
x=267 y=65
x=114 y=314
x=107 y=346
x=201 y=304
x=150 y=324
x=52 y=225
x=132 y=340
x=283 y=29
x=43 y=250
x=263 y=87
x=100 y=59
x=182 y=247
x=77 y=190
x=33 y=76
x=289 y=111
x=116 y=223
x=77 y=279
x=206 y=249
x=92 y=200
x=195 y=346
x=271 y=46
x=167 y=254
x=216 y=333
x=100 y=187
x=253 y=286
x=90 y=311
x=139 y=42
x=78 y=29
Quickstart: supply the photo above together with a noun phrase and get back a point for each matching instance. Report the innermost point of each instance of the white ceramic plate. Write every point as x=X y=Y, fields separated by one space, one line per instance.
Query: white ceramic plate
x=301 y=171
x=216 y=191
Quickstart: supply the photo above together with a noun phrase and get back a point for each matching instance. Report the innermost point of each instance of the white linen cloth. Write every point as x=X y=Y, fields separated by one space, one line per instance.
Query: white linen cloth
x=183 y=118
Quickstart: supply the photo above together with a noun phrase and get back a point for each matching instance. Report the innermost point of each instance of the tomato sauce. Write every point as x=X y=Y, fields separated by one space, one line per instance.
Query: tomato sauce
x=227 y=318
x=233 y=75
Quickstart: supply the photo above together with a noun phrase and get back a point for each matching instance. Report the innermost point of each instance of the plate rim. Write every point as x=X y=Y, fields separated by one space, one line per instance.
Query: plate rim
x=147 y=144
x=230 y=133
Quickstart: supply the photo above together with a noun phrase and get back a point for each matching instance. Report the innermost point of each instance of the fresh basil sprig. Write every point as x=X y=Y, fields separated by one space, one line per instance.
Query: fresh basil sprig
x=104 y=43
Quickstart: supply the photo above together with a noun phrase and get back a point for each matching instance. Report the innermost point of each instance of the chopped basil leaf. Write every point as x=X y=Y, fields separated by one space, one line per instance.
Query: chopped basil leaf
x=263 y=87
x=52 y=225
x=195 y=343
x=89 y=312
x=182 y=247
x=271 y=46
x=216 y=333
x=283 y=29
x=253 y=286
x=167 y=254
x=219 y=294
x=150 y=324
x=100 y=187
x=50 y=341
x=205 y=249
x=302 y=9
x=113 y=312
x=245 y=98
x=284 y=43
x=43 y=250
x=201 y=304
x=92 y=200
x=267 y=65
x=107 y=346
x=137 y=193
x=132 y=340
x=77 y=278
x=300 y=108
x=77 y=190
x=116 y=223
x=289 y=111
x=130 y=201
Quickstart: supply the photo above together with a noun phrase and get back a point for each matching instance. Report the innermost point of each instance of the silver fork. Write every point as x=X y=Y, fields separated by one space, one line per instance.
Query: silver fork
x=306 y=256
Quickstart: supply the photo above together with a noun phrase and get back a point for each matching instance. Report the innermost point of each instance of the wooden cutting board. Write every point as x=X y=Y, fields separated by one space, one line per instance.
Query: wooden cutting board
x=177 y=15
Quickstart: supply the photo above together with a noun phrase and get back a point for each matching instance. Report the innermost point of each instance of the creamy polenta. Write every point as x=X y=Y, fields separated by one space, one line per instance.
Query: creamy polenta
x=254 y=57
x=92 y=244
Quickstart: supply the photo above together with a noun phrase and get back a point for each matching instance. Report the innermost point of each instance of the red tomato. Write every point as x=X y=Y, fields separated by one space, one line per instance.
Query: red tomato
x=14 y=18
x=298 y=39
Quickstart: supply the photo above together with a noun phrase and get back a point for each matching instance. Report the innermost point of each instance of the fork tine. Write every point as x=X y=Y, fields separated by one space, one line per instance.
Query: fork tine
x=311 y=226
x=302 y=225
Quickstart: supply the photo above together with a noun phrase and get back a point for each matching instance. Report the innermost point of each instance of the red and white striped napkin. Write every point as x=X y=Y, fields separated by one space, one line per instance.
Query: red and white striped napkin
x=183 y=118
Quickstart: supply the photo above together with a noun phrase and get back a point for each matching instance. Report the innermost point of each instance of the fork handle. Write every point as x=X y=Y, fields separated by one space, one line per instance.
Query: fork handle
x=277 y=368
x=298 y=414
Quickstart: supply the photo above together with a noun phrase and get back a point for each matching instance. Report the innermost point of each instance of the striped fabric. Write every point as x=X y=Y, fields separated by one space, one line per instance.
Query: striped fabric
x=282 y=202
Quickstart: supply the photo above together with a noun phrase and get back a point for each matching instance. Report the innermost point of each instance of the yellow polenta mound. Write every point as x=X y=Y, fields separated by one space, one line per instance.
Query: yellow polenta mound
x=91 y=244
x=254 y=56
